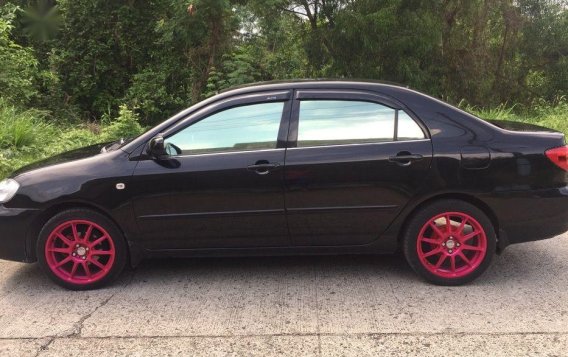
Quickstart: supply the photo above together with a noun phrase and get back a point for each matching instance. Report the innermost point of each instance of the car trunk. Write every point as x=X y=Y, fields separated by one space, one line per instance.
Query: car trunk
x=521 y=127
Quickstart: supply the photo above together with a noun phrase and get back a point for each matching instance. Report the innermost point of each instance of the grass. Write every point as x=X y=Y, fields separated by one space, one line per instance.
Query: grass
x=28 y=136
x=550 y=116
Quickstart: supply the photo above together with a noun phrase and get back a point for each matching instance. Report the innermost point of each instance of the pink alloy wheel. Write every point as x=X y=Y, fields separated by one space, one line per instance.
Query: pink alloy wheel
x=452 y=245
x=80 y=252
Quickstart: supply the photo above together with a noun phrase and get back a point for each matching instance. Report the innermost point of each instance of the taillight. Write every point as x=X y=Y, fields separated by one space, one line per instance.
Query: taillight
x=559 y=156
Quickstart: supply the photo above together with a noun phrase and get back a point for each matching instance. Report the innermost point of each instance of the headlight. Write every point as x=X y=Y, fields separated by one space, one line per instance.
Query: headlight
x=8 y=189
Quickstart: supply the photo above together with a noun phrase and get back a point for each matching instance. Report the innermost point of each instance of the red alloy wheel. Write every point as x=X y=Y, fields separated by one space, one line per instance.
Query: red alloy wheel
x=452 y=245
x=80 y=252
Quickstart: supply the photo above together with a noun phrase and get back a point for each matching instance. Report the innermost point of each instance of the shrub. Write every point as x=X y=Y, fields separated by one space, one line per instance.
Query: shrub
x=18 y=66
x=20 y=129
x=125 y=126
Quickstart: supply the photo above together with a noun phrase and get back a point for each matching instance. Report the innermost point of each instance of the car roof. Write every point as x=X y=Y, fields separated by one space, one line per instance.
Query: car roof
x=314 y=84
x=317 y=82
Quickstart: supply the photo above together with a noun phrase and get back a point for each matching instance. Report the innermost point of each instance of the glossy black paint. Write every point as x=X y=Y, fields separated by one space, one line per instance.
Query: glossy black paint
x=319 y=200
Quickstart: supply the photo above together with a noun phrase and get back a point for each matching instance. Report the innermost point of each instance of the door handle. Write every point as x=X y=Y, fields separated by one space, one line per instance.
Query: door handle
x=405 y=159
x=262 y=167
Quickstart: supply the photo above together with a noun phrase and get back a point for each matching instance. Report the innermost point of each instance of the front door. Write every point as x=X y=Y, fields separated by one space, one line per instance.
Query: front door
x=222 y=185
x=355 y=160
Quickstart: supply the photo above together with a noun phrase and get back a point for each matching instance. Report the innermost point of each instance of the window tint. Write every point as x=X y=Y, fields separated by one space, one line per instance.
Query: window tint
x=334 y=122
x=250 y=127
x=407 y=128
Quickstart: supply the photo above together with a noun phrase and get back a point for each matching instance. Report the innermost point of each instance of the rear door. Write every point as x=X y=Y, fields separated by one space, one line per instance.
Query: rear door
x=354 y=160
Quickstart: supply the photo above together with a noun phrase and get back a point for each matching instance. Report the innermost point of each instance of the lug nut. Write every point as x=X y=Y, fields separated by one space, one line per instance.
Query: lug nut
x=74 y=254
x=443 y=244
x=458 y=244
x=83 y=257
x=450 y=251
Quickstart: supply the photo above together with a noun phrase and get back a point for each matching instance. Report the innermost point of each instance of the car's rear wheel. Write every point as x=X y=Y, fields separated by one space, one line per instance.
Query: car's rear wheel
x=449 y=242
x=81 y=249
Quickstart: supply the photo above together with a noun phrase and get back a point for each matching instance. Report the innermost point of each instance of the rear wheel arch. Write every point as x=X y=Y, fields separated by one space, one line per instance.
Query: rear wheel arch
x=451 y=196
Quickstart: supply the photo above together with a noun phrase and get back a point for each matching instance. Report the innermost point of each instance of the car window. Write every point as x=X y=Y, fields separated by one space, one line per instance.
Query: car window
x=408 y=129
x=337 y=122
x=244 y=128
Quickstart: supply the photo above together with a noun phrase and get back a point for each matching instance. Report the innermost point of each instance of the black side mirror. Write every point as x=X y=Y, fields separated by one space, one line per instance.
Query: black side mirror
x=157 y=148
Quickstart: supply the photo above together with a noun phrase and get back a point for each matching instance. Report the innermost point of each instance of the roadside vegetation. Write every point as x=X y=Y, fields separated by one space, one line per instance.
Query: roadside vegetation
x=549 y=115
x=79 y=72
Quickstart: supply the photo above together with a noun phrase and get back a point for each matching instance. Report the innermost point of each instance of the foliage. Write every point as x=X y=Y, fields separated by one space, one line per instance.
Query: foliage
x=18 y=66
x=28 y=136
x=126 y=125
x=76 y=66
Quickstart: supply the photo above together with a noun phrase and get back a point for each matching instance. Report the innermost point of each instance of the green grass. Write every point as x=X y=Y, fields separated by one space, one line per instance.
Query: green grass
x=29 y=136
x=553 y=117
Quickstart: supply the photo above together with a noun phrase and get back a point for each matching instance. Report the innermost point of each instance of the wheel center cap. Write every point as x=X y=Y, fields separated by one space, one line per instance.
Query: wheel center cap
x=81 y=251
x=451 y=244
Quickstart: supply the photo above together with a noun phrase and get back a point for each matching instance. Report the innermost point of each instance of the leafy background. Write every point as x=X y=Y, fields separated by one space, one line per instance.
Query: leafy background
x=77 y=72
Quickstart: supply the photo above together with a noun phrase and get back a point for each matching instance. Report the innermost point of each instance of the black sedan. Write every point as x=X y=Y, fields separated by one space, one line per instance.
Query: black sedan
x=308 y=167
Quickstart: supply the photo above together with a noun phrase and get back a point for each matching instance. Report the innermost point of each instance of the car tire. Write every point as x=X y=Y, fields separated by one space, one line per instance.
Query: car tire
x=449 y=254
x=80 y=249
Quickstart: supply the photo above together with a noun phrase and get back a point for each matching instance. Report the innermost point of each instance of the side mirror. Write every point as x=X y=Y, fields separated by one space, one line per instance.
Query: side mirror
x=157 y=148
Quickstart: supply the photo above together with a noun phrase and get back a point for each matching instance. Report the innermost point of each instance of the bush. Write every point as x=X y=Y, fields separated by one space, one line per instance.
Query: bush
x=125 y=126
x=18 y=65
x=26 y=136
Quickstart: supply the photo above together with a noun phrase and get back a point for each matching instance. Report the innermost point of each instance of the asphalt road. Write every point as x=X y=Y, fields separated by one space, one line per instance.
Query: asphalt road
x=313 y=306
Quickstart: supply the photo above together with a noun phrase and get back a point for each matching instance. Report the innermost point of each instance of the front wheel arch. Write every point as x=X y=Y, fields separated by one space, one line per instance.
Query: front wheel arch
x=44 y=217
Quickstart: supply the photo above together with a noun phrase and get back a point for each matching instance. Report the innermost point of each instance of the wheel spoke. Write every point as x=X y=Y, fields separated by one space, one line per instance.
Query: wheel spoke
x=59 y=250
x=462 y=226
x=453 y=263
x=64 y=239
x=464 y=258
x=63 y=262
x=75 y=232
x=433 y=252
x=470 y=236
x=430 y=240
x=101 y=252
x=471 y=247
x=97 y=263
x=87 y=269
x=436 y=229
x=74 y=269
x=88 y=233
x=98 y=241
x=441 y=261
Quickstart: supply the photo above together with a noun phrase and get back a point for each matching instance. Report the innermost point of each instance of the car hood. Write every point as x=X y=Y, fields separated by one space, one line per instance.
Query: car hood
x=519 y=126
x=77 y=154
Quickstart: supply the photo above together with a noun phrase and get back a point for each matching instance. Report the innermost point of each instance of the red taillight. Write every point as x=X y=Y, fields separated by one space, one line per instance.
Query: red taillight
x=559 y=156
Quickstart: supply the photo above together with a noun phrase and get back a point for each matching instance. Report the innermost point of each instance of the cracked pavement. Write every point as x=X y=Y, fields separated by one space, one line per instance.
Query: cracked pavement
x=308 y=306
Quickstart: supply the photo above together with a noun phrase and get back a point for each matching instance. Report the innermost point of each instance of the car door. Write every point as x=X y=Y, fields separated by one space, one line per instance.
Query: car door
x=222 y=184
x=354 y=160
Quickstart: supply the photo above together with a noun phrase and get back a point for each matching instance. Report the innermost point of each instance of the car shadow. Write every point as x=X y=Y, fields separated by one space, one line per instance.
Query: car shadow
x=518 y=263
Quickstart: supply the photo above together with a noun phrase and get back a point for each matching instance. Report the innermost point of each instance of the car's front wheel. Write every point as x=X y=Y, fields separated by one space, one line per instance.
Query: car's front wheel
x=449 y=242
x=81 y=249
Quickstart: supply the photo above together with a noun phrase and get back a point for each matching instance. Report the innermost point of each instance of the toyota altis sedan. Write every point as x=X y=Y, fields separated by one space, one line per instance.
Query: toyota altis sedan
x=308 y=167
